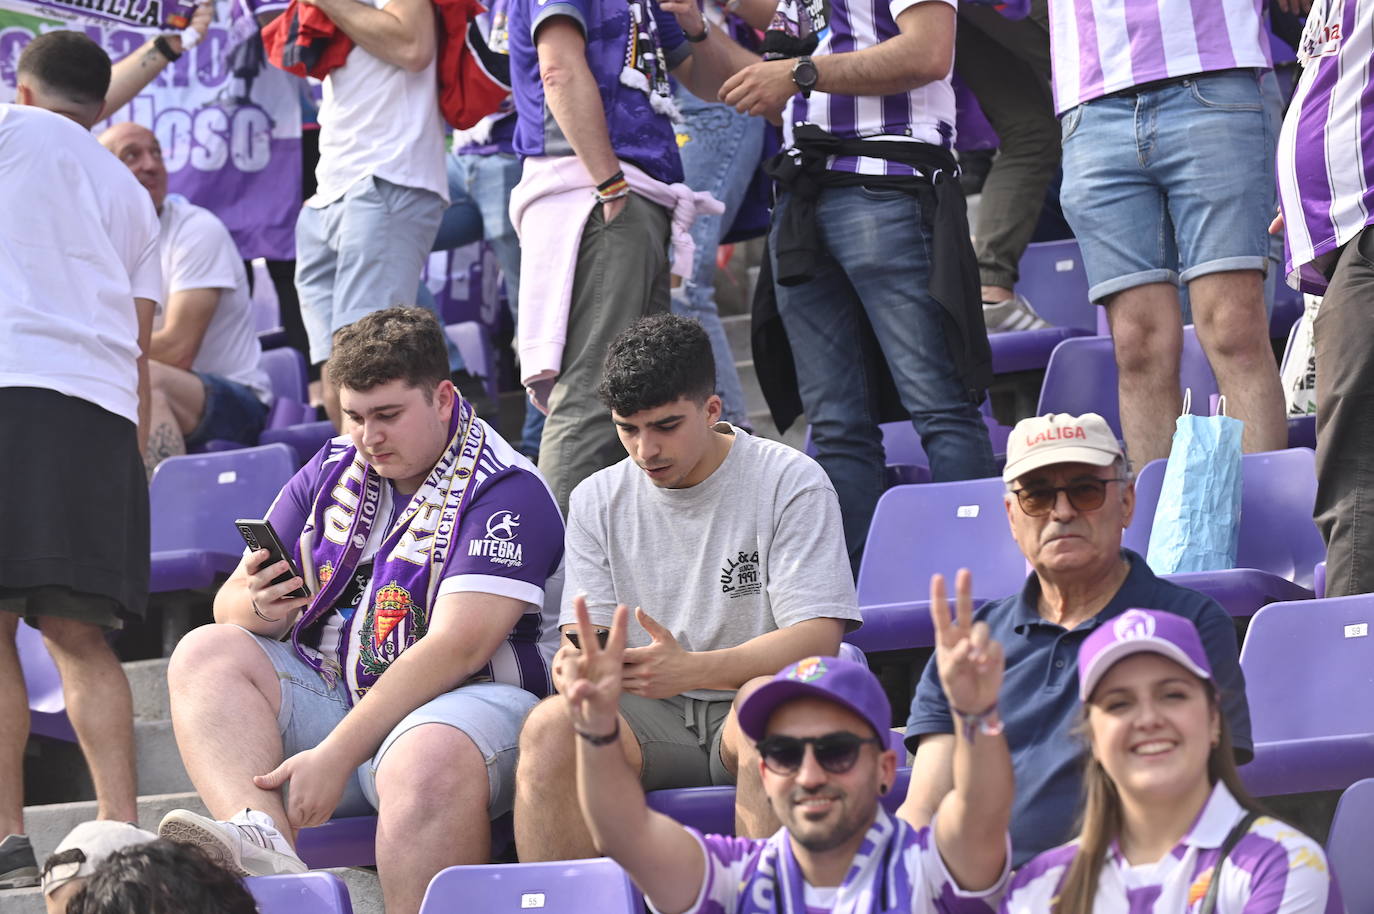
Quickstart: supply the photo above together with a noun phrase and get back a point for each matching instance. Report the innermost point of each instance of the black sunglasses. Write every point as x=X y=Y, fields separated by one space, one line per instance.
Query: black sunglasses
x=835 y=752
x=1084 y=495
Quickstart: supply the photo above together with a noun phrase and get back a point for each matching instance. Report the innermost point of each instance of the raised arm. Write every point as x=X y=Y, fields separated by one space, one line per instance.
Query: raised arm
x=712 y=61
x=130 y=76
x=400 y=33
x=621 y=822
x=971 y=825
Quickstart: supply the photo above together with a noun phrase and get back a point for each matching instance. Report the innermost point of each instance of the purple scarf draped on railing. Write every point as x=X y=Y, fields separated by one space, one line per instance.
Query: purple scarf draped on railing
x=394 y=611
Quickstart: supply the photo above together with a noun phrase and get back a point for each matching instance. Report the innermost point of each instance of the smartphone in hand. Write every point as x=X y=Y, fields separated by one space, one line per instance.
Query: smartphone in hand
x=601 y=635
x=258 y=534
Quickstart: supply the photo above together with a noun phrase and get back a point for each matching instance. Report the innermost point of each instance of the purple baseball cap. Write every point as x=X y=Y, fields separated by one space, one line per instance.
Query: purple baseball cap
x=845 y=682
x=1136 y=631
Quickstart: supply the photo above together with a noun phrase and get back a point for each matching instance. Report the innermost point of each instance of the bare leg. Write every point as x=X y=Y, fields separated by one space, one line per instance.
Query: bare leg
x=184 y=393
x=754 y=816
x=331 y=398
x=548 y=819
x=1228 y=309
x=164 y=437
x=996 y=293
x=101 y=709
x=14 y=730
x=225 y=699
x=432 y=789
x=1147 y=333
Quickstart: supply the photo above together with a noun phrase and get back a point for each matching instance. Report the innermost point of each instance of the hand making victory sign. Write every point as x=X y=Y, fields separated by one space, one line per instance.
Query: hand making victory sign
x=969 y=661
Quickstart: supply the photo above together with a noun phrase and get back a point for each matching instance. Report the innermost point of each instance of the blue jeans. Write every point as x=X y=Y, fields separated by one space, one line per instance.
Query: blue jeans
x=876 y=264
x=720 y=151
x=1170 y=184
x=480 y=186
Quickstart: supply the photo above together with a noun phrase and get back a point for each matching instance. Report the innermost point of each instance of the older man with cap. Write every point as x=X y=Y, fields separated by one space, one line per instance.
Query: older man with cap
x=1070 y=494
x=820 y=726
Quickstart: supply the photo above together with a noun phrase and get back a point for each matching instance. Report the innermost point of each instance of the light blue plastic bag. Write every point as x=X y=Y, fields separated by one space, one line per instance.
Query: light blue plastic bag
x=1197 y=520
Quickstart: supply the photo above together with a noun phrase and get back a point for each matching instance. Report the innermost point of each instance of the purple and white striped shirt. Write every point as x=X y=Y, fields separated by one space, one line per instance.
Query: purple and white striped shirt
x=925 y=114
x=1325 y=166
x=1274 y=869
x=1102 y=46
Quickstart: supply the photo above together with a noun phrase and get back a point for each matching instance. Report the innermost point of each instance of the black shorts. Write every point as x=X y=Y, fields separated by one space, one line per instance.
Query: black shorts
x=73 y=500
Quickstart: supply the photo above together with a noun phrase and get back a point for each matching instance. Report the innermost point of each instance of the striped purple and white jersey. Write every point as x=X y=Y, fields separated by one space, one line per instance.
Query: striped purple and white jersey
x=1274 y=869
x=1325 y=166
x=925 y=114
x=1102 y=46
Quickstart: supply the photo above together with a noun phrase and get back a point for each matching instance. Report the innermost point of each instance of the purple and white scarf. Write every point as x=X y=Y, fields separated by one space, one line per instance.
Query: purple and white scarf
x=394 y=611
x=879 y=879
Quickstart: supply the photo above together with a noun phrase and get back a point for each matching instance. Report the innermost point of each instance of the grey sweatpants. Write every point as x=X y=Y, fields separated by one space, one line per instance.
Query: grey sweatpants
x=622 y=275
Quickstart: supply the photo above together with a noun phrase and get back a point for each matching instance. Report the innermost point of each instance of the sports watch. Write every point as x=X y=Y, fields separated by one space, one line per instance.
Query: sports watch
x=804 y=75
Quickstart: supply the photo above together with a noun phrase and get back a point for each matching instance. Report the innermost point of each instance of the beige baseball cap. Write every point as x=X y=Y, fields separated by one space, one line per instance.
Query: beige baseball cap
x=85 y=847
x=1060 y=438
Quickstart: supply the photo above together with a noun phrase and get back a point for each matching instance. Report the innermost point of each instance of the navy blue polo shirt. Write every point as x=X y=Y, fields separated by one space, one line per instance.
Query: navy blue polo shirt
x=1039 y=700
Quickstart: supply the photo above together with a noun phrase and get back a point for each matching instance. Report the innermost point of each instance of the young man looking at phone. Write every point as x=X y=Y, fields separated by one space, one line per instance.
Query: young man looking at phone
x=730 y=547
x=433 y=553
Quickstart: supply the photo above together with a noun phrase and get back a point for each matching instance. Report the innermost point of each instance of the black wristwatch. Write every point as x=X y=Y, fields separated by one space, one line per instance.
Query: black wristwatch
x=164 y=47
x=804 y=75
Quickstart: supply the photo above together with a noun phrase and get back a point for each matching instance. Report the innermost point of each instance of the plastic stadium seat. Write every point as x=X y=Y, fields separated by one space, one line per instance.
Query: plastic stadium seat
x=194 y=501
x=1082 y=378
x=286 y=370
x=918 y=531
x=47 y=706
x=1309 y=679
x=1279 y=543
x=304 y=438
x=300 y=893
x=1053 y=281
x=596 y=886
x=711 y=810
x=340 y=842
x=1319 y=580
x=1348 y=846
x=906 y=460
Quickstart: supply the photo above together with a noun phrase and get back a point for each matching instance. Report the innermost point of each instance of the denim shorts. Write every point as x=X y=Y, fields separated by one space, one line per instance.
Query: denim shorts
x=1171 y=183
x=232 y=412
x=489 y=713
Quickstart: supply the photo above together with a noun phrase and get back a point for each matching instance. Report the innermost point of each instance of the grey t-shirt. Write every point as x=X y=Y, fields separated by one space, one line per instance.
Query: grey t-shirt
x=755 y=547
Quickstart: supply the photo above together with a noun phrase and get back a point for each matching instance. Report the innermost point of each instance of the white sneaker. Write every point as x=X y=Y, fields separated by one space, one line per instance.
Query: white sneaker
x=249 y=844
x=1013 y=314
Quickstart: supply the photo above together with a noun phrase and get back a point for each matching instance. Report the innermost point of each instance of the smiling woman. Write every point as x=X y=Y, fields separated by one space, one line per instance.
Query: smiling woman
x=1166 y=824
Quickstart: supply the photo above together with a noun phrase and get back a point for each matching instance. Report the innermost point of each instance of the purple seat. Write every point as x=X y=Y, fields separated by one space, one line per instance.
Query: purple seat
x=47 y=706
x=1081 y=378
x=1349 y=843
x=907 y=463
x=711 y=810
x=300 y=893
x=918 y=531
x=1279 y=543
x=1309 y=679
x=194 y=500
x=1052 y=279
x=340 y=842
x=596 y=886
x=304 y=438
x=1319 y=580
x=286 y=370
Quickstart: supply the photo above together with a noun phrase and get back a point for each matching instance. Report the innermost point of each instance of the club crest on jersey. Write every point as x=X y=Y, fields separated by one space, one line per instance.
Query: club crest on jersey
x=808 y=670
x=500 y=546
x=325 y=573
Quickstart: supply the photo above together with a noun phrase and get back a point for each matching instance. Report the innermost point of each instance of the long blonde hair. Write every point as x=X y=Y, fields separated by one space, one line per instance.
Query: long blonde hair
x=1100 y=822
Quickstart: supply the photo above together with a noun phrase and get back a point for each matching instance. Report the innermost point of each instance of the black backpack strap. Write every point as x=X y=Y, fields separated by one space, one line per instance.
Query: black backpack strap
x=1240 y=831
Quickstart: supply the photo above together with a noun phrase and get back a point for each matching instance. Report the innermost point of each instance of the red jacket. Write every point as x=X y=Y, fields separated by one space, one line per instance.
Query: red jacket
x=473 y=79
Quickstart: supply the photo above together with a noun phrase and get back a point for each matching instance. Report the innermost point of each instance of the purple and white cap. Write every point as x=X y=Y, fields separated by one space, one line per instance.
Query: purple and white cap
x=1137 y=631
x=844 y=682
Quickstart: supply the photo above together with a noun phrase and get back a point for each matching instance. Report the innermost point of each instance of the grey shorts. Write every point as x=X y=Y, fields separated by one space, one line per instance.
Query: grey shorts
x=680 y=740
x=489 y=713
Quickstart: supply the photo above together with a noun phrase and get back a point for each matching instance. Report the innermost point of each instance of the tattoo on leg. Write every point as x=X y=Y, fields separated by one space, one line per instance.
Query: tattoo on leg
x=163 y=441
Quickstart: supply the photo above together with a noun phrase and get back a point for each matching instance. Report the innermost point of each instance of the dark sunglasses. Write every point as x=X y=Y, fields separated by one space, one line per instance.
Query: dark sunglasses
x=1084 y=495
x=835 y=752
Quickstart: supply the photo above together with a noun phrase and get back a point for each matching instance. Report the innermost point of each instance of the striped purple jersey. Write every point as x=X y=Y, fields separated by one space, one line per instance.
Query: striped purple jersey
x=1325 y=166
x=1101 y=46
x=925 y=114
x=1274 y=869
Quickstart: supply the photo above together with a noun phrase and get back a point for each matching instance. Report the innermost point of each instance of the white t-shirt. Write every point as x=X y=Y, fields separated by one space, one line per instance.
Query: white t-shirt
x=378 y=119
x=78 y=243
x=755 y=547
x=198 y=253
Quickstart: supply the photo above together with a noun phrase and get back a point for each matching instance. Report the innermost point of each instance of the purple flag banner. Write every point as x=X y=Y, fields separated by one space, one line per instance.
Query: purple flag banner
x=229 y=124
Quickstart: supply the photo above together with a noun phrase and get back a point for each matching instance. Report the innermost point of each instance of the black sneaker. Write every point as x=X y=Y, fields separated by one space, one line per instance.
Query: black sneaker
x=18 y=868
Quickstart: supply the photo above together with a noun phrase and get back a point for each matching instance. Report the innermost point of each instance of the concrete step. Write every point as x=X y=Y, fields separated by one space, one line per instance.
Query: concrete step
x=749 y=380
x=737 y=329
x=48 y=825
x=148 y=682
x=364 y=891
x=57 y=771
